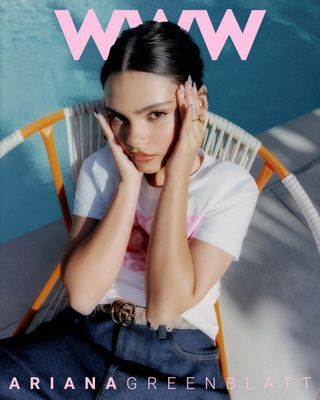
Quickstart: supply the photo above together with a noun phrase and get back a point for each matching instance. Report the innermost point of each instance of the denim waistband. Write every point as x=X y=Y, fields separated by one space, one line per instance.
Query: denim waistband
x=126 y=313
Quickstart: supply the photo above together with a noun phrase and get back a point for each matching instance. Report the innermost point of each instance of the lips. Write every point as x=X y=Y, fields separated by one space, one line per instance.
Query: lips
x=142 y=157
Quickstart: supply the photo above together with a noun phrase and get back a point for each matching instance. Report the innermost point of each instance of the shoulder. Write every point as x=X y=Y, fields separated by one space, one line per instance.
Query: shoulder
x=229 y=174
x=100 y=159
x=226 y=197
x=101 y=165
x=96 y=184
x=223 y=179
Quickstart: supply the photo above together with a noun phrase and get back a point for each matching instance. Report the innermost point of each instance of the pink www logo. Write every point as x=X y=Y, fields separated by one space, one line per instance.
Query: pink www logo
x=214 y=40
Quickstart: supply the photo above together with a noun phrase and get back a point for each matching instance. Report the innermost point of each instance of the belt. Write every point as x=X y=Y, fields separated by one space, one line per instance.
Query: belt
x=125 y=313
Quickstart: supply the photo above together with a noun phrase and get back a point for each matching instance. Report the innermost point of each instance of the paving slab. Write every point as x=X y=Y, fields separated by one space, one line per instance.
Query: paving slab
x=270 y=307
x=296 y=143
x=310 y=179
x=26 y=264
x=270 y=298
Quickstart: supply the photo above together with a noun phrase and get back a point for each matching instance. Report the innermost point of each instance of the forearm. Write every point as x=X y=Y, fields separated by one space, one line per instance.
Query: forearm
x=169 y=271
x=94 y=265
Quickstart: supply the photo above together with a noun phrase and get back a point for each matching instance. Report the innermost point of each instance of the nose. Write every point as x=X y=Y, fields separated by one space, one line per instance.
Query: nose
x=136 y=136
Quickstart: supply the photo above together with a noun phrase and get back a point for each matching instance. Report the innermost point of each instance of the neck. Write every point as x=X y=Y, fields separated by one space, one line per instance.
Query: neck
x=157 y=179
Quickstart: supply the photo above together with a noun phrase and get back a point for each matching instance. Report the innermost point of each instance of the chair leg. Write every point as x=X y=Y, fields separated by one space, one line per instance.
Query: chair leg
x=220 y=345
x=40 y=299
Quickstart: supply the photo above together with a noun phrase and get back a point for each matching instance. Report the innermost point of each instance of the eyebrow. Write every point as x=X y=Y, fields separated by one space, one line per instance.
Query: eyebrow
x=142 y=110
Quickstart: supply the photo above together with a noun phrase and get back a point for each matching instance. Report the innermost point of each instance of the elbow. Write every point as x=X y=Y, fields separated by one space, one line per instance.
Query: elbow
x=79 y=302
x=80 y=305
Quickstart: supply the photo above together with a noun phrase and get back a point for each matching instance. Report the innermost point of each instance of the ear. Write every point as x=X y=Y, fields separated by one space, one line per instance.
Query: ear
x=203 y=98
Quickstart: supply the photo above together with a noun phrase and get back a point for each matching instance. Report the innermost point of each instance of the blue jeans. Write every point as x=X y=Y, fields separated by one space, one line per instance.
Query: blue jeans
x=90 y=357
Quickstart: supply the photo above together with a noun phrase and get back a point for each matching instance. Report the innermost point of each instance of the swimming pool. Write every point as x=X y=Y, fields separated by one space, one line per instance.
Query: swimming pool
x=279 y=80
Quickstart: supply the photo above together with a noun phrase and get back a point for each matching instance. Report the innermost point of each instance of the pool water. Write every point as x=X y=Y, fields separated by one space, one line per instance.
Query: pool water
x=278 y=81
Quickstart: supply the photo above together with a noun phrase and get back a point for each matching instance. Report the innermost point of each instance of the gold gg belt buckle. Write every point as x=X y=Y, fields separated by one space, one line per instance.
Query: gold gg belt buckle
x=123 y=313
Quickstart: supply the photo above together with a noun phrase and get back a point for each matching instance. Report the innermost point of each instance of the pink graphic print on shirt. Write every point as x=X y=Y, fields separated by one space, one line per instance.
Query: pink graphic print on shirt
x=138 y=243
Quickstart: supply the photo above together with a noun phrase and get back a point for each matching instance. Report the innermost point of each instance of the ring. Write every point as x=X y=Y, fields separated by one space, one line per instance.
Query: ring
x=199 y=118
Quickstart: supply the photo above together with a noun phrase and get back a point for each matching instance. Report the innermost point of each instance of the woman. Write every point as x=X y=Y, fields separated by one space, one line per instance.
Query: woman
x=156 y=224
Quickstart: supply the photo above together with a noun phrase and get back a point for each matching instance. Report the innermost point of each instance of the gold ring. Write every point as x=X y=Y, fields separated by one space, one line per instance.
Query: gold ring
x=199 y=118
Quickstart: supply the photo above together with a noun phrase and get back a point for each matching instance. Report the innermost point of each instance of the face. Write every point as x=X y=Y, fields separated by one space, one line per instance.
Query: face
x=143 y=115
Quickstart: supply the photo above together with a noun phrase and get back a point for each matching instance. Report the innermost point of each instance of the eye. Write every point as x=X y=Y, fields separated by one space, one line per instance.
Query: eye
x=113 y=118
x=157 y=114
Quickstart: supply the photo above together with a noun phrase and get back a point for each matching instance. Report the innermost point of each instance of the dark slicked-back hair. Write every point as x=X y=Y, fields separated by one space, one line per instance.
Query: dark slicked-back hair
x=161 y=48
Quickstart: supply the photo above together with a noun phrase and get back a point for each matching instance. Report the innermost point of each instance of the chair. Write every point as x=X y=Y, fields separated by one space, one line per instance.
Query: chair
x=223 y=140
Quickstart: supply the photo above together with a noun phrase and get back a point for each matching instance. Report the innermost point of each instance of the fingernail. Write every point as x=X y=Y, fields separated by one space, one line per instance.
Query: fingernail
x=181 y=88
x=95 y=114
x=190 y=80
x=194 y=87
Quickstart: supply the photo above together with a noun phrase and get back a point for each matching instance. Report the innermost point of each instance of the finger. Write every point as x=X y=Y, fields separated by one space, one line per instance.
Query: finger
x=112 y=140
x=181 y=101
x=105 y=126
x=195 y=98
x=186 y=127
x=199 y=113
x=189 y=94
x=119 y=154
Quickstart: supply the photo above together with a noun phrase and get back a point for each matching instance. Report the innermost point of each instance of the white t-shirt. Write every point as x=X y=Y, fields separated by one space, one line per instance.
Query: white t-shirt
x=221 y=201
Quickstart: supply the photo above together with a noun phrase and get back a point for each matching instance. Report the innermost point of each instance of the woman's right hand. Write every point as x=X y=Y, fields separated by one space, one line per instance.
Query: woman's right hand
x=129 y=173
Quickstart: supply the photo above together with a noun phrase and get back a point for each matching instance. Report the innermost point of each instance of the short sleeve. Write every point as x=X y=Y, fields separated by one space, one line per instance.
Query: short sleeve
x=95 y=187
x=225 y=223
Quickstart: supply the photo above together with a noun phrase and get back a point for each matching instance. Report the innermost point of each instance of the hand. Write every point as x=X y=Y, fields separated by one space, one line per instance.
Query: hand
x=128 y=171
x=191 y=132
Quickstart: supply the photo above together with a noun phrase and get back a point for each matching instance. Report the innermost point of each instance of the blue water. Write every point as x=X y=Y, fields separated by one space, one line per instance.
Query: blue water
x=279 y=81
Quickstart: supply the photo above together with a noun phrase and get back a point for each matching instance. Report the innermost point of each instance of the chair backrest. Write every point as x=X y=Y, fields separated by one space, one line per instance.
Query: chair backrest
x=83 y=133
x=223 y=140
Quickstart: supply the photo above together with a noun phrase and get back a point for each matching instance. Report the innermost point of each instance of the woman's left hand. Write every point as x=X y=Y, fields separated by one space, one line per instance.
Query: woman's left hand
x=191 y=132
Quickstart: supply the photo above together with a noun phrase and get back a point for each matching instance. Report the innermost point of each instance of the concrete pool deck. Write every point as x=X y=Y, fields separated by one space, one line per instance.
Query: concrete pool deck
x=270 y=298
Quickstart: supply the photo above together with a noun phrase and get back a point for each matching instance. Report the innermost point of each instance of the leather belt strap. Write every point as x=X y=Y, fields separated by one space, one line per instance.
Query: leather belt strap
x=125 y=313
